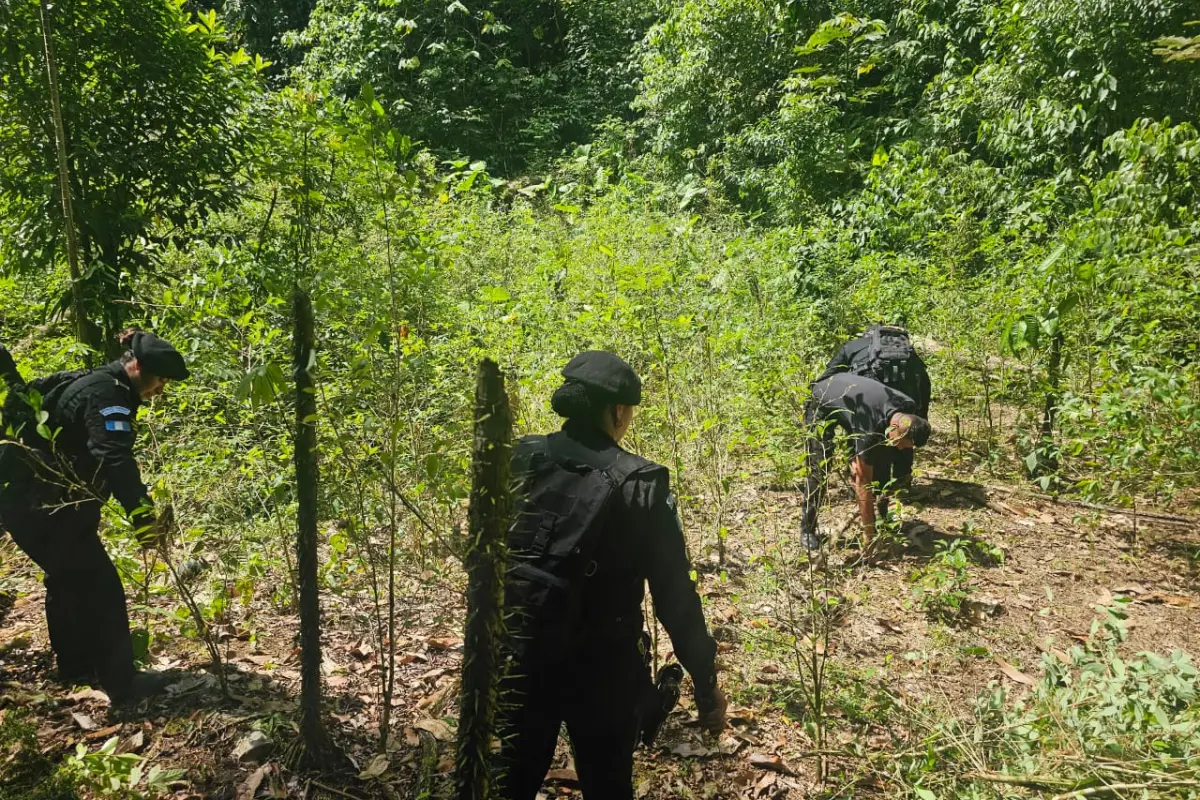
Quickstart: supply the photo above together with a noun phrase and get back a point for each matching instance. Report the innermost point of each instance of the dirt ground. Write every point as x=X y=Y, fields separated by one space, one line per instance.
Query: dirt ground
x=1042 y=569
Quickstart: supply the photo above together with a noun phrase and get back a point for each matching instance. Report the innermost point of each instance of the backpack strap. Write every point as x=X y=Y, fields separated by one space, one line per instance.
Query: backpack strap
x=617 y=473
x=626 y=465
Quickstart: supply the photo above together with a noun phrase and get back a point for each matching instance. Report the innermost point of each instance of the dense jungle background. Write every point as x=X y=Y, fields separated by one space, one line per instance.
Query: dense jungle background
x=722 y=191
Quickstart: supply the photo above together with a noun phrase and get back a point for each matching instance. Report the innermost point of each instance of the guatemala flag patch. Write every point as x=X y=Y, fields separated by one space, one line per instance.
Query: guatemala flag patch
x=117 y=425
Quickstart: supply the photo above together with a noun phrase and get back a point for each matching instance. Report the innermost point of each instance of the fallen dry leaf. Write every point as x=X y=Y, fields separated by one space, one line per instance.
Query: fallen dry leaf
x=249 y=787
x=362 y=651
x=439 y=730
x=729 y=746
x=565 y=775
x=1013 y=673
x=88 y=694
x=740 y=714
x=766 y=782
x=1176 y=600
x=889 y=626
x=771 y=763
x=134 y=743
x=690 y=750
x=375 y=767
x=443 y=643
x=84 y=721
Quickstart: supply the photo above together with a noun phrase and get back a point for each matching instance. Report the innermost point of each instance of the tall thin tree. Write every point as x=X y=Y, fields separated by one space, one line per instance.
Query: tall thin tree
x=83 y=331
x=314 y=738
x=489 y=516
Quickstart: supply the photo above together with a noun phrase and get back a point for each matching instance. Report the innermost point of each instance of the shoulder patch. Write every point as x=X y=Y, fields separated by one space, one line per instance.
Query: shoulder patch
x=117 y=425
x=108 y=412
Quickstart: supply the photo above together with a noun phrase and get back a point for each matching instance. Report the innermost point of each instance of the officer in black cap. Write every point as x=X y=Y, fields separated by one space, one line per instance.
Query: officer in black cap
x=594 y=524
x=51 y=498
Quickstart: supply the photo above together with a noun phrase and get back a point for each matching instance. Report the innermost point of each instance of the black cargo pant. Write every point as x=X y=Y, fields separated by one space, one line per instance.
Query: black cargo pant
x=891 y=468
x=599 y=700
x=85 y=601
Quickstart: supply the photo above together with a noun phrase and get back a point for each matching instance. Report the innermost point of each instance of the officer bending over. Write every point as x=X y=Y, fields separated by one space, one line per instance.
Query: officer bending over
x=50 y=500
x=886 y=354
x=882 y=423
x=594 y=525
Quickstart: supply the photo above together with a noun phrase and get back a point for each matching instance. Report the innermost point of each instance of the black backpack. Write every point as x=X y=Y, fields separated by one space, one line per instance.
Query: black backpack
x=19 y=420
x=888 y=358
x=561 y=513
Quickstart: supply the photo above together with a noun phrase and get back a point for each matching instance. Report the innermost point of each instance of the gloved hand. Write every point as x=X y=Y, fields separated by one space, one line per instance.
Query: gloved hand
x=710 y=707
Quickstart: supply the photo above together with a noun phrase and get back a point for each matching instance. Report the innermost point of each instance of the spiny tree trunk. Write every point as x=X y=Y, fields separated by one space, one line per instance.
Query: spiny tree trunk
x=489 y=518
x=84 y=331
x=314 y=739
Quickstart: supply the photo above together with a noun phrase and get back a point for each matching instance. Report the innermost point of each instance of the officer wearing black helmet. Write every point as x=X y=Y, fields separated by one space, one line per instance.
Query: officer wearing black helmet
x=594 y=524
x=50 y=500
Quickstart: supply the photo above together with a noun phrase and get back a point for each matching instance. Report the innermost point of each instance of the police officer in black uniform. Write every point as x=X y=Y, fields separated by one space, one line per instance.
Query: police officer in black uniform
x=883 y=424
x=50 y=502
x=597 y=683
x=855 y=357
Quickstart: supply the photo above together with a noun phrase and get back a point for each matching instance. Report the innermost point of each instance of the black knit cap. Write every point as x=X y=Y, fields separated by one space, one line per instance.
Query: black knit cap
x=607 y=374
x=157 y=357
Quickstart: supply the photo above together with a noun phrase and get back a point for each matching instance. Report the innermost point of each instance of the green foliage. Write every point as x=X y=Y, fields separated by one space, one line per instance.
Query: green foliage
x=941 y=586
x=786 y=106
x=26 y=774
x=155 y=109
x=508 y=82
x=117 y=775
x=1096 y=717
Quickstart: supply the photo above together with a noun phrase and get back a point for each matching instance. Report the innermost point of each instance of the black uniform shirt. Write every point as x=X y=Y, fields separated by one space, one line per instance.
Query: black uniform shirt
x=861 y=406
x=96 y=414
x=642 y=542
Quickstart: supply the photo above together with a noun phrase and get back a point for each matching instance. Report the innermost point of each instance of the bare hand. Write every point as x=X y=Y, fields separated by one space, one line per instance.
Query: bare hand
x=711 y=712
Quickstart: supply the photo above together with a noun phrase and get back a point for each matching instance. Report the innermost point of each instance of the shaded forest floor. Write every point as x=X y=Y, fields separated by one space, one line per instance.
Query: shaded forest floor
x=1037 y=573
